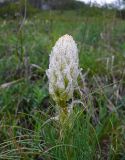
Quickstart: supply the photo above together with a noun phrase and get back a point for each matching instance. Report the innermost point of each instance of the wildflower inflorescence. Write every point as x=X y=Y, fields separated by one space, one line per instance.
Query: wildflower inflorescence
x=63 y=70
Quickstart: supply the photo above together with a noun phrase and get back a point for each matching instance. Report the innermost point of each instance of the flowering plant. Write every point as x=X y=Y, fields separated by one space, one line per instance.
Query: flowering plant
x=63 y=71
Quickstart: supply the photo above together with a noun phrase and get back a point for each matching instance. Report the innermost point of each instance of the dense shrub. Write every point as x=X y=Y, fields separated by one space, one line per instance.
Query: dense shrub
x=120 y=14
x=15 y=9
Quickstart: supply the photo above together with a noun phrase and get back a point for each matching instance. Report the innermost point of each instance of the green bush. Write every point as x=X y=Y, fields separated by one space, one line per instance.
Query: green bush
x=16 y=9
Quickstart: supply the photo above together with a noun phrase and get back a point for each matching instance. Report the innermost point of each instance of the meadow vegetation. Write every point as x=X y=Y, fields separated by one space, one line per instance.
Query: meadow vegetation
x=98 y=124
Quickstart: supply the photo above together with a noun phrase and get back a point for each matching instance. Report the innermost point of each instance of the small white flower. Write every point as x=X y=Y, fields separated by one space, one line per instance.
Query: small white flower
x=63 y=69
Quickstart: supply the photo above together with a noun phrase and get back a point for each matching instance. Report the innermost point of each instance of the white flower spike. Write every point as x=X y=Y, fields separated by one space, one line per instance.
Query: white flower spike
x=63 y=70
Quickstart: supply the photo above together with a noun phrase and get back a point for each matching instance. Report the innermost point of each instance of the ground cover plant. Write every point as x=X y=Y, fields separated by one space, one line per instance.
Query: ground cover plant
x=27 y=130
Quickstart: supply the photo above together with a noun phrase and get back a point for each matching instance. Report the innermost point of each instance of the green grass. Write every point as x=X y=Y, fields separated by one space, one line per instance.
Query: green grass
x=96 y=130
